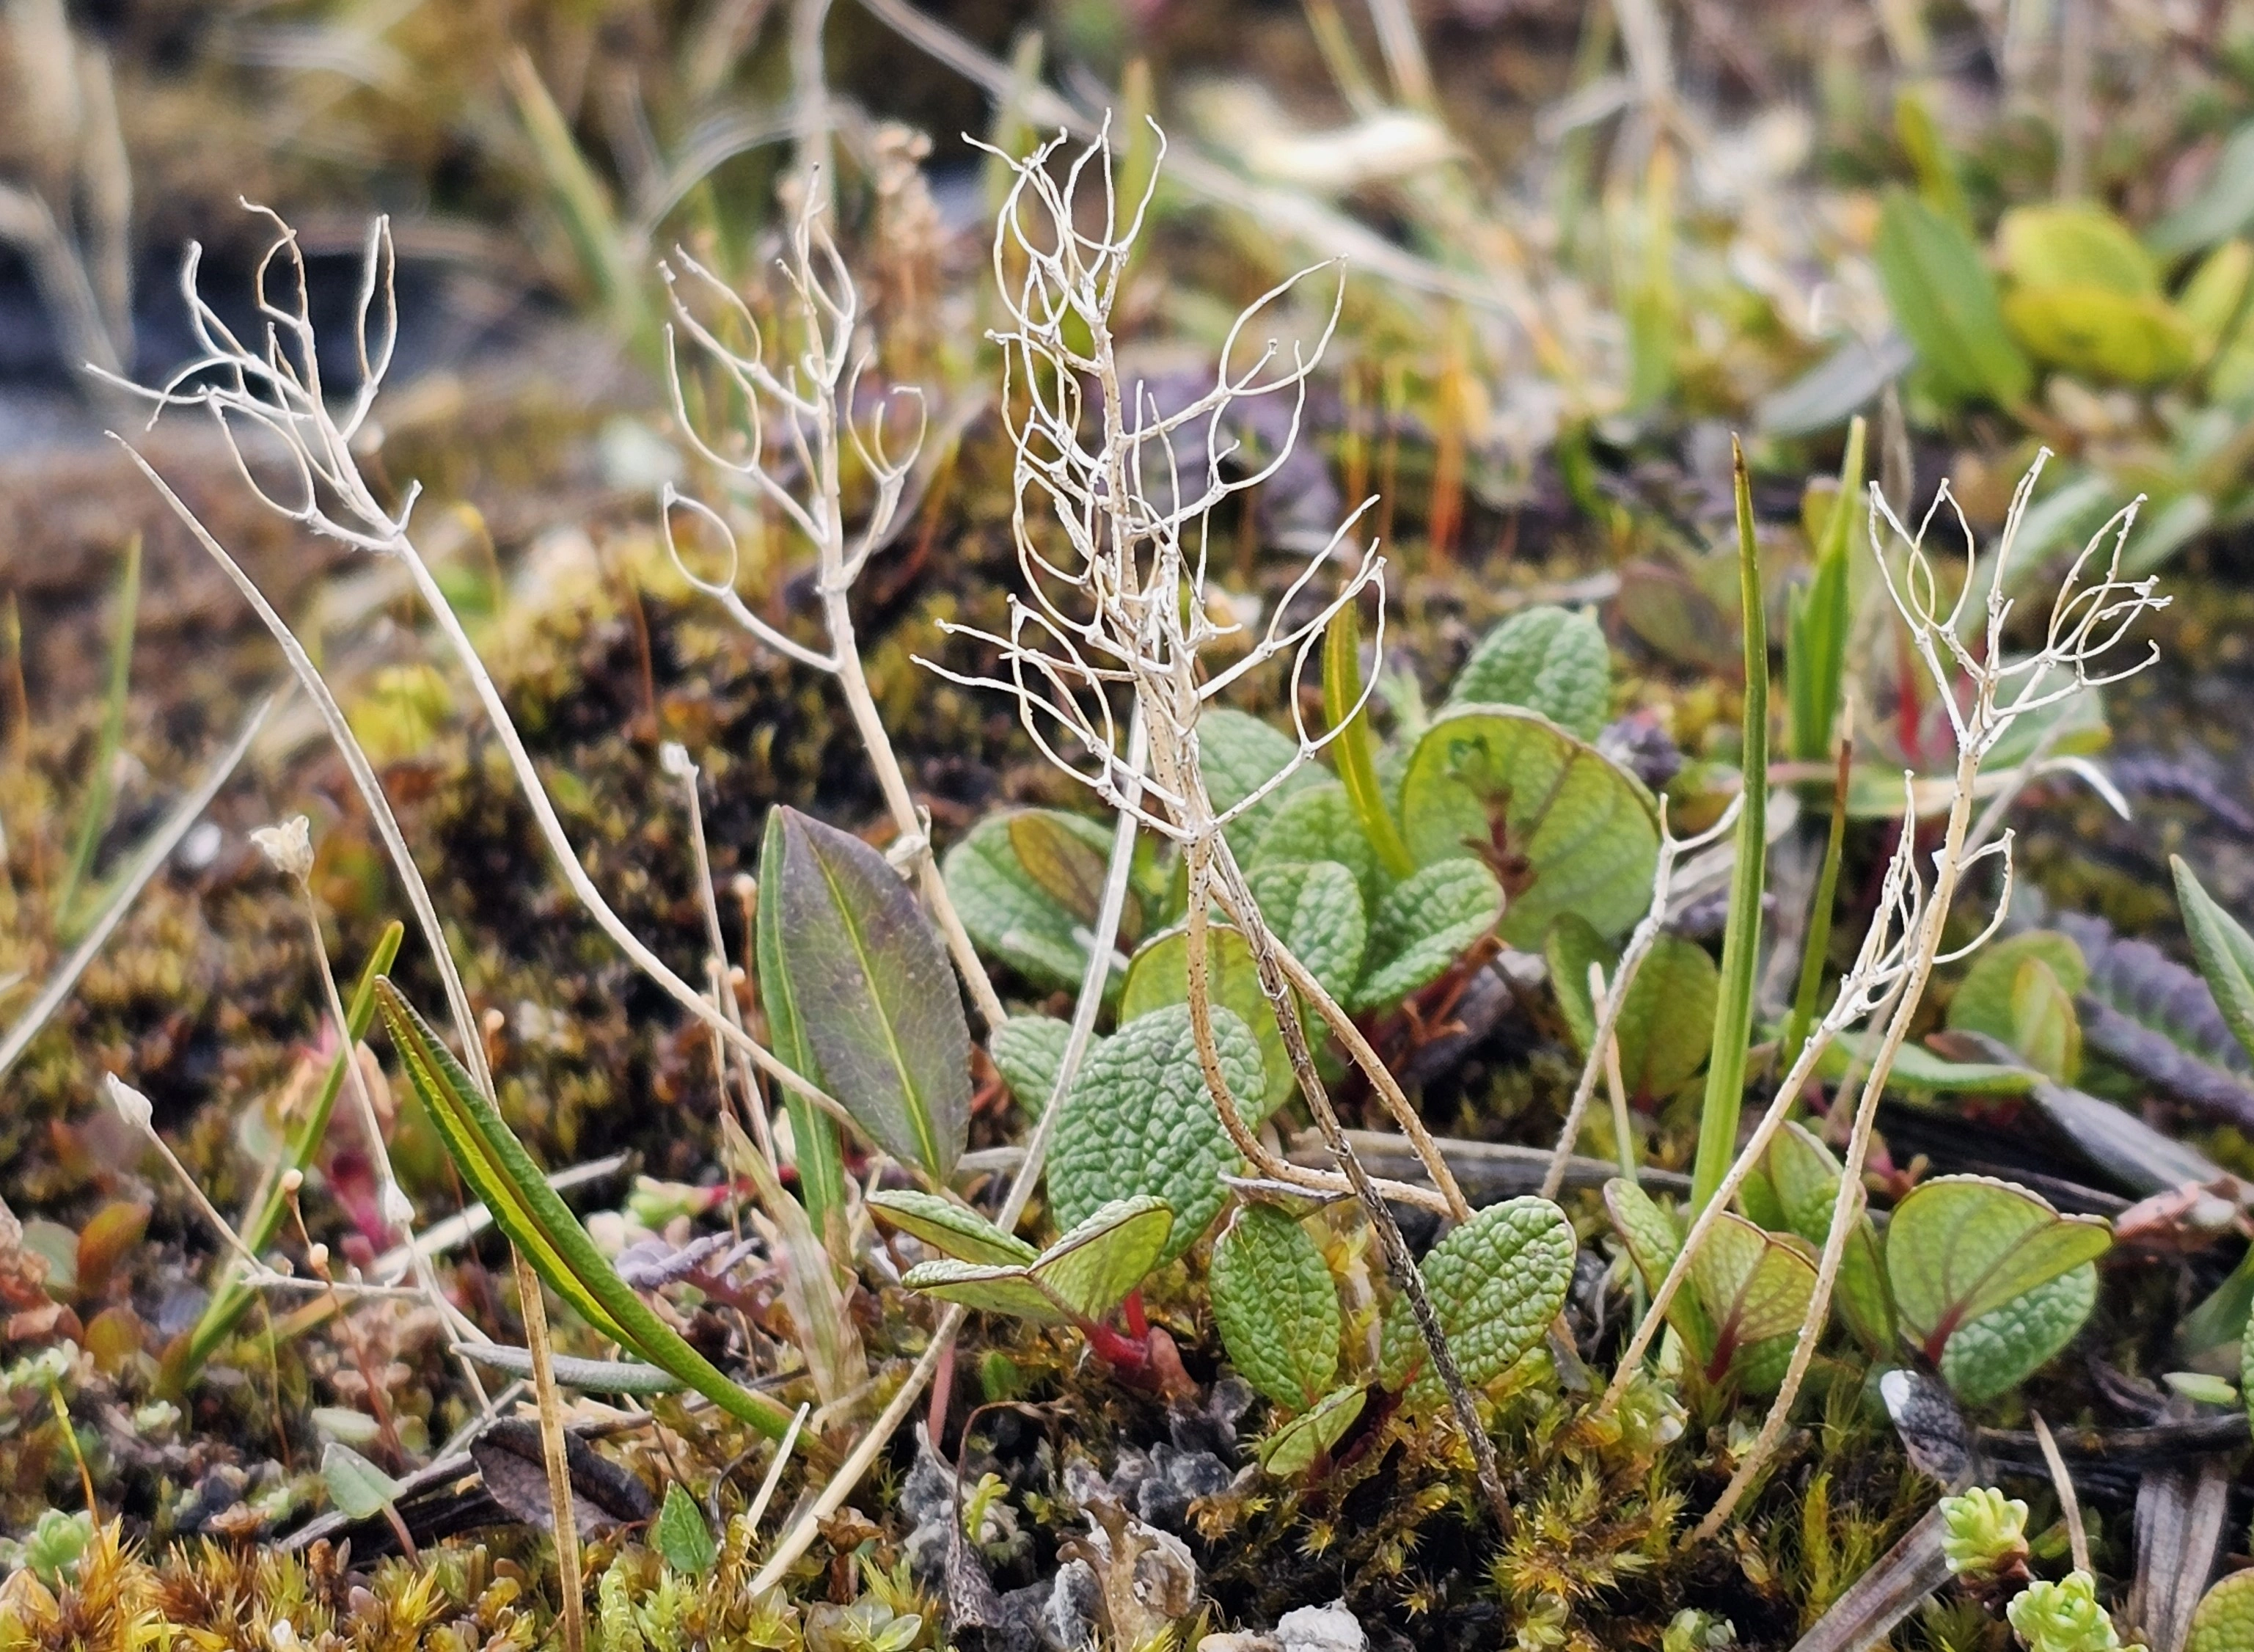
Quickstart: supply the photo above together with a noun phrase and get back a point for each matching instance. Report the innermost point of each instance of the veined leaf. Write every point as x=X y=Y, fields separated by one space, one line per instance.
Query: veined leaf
x=1293 y=1448
x=1317 y=823
x=1315 y=906
x=1028 y=1052
x=538 y=1222
x=1754 y=1288
x=1091 y=1269
x=1652 y=1240
x=682 y=1536
x=1495 y=1284
x=2223 y=950
x=1572 y=829
x=954 y=1229
x=1238 y=754
x=1800 y=1179
x=1276 y=1305
x=1139 y=1120
x=1962 y=1247
x=1982 y=1001
x=2044 y=1028
x=874 y=995
x=1158 y=976
x=1424 y=924
x=1944 y=297
x=1667 y=1023
x=1079 y=1279
x=1013 y=912
x=1545 y=659
x=812 y=1133
x=1994 y=1354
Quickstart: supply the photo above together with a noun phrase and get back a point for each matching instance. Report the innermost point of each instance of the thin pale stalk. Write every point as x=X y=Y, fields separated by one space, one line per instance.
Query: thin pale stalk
x=1623 y=1130
x=1818 y=940
x=362 y=772
x=1399 y=1264
x=1847 y=1208
x=569 y=1598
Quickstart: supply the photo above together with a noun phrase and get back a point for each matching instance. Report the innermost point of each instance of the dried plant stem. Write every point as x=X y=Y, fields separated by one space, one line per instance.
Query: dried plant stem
x=1217 y=866
x=1623 y=1130
x=362 y=772
x=1364 y=1056
x=1112 y=907
x=1847 y=1209
x=1610 y=1006
x=2070 y=1505
x=570 y=1604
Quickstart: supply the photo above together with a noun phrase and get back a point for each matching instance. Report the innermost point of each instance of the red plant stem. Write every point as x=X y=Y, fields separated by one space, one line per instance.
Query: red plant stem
x=1138 y=1325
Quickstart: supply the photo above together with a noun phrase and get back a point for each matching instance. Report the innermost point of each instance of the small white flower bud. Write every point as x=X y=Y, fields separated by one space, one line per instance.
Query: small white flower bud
x=292 y=1180
x=289 y=847
x=130 y=1102
x=672 y=758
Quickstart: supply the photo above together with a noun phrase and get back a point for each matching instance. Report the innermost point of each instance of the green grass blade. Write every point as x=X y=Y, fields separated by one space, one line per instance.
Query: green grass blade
x=1819 y=916
x=1356 y=747
x=538 y=1222
x=1815 y=635
x=234 y=1298
x=1734 y=1010
x=93 y=813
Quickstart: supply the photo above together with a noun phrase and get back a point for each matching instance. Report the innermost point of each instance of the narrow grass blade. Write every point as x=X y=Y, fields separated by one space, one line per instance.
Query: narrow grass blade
x=1819 y=917
x=1734 y=1011
x=1815 y=632
x=543 y=1227
x=1356 y=747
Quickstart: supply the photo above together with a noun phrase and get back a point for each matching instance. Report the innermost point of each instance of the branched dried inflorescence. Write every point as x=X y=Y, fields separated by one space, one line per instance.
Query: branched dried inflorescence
x=1107 y=655
x=1985 y=692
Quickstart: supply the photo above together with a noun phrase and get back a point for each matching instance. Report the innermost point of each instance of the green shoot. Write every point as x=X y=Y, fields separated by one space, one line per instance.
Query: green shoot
x=1734 y=1011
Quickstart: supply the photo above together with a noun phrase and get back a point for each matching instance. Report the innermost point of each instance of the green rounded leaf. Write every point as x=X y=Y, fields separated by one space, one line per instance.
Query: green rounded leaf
x=1317 y=822
x=1569 y=829
x=1983 y=1002
x=1028 y=1052
x=1545 y=659
x=357 y=1486
x=2223 y=1621
x=875 y=996
x=1667 y=1025
x=1238 y=754
x=1158 y=976
x=2074 y=245
x=1293 y=1448
x=1091 y=1269
x=1005 y=1288
x=1138 y=1120
x=1424 y=924
x=1025 y=915
x=953 y=1230
x=1997 y=1352
x=1496 y=1283
x=1276 y=1305
x=1959 y=1248
x=2223 y=207
x=1801 y=1176
x=2101 y=334
x=1315 y=907
x=1753 y=1288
